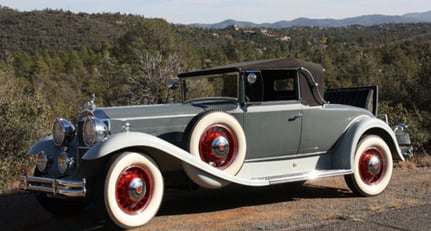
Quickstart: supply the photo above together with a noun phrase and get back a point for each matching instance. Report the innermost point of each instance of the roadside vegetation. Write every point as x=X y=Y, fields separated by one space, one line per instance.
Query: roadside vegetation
x=52 y=61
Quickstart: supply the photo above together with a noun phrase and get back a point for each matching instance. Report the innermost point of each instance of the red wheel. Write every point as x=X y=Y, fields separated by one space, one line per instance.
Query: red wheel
x=133 y=190
x=372 y=165
x=218 y=139
x=372 y=168
x=218 y=146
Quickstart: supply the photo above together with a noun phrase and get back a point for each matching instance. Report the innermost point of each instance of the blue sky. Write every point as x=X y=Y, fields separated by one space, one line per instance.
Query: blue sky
x=212 y=11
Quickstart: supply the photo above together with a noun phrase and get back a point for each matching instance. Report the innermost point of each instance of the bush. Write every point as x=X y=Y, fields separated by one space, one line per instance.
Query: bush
x=416 y=120
x=22 y=117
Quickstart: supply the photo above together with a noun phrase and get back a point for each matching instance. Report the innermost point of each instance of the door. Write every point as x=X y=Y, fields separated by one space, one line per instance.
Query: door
x=273 y=115
x=273 y=131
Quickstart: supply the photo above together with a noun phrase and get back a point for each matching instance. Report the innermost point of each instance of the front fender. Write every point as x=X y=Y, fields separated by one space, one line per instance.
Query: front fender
x=127 y=140
x=344 y=151
x=45 y=144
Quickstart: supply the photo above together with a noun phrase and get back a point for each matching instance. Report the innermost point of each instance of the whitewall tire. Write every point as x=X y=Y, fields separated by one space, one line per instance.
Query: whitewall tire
x=218 y=139
x=133 y=190
x=372 y=170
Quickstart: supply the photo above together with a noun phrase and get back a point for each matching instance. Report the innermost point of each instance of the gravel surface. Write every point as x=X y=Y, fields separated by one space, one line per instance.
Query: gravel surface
x=324 y=204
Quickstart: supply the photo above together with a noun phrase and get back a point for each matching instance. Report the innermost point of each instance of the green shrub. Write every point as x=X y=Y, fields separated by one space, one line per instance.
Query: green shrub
x=416 y=120
x=22 y=117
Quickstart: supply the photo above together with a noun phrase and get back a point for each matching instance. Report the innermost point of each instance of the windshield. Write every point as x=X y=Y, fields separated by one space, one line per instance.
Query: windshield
x=223 y=86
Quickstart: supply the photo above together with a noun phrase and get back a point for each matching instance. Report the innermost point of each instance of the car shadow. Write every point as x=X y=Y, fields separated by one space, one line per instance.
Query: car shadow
x=21 y=211
x=234 y=196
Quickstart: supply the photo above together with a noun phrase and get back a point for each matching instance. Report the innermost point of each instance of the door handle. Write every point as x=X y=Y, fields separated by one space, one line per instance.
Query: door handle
x=296 y=116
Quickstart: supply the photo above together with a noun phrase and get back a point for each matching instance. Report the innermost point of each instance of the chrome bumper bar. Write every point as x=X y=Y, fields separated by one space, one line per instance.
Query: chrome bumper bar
x=69 y=188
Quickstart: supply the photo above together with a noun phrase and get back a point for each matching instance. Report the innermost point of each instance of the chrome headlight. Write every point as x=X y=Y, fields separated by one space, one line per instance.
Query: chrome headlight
x=64 y=162
x=42 y=161
x=94 y=130
x=63 y=132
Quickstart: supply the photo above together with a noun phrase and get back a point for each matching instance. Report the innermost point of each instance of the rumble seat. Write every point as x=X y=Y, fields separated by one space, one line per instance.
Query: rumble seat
x=364 y=97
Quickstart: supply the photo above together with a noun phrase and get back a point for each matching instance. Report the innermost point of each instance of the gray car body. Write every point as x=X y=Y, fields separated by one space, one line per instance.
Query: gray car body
x=287 y=140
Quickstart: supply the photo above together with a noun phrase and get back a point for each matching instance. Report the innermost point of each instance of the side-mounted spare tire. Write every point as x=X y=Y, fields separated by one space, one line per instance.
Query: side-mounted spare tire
x=218 y=139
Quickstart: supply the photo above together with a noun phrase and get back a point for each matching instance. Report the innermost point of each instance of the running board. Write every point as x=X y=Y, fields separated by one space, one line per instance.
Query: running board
x=305 y=176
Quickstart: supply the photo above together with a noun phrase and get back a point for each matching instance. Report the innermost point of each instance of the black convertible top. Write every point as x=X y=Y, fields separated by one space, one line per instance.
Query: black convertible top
x=312 y=74
x=280 y=63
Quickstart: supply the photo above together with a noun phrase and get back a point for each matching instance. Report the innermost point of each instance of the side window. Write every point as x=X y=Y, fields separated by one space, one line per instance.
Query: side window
x=253 y=87
x=280 y=85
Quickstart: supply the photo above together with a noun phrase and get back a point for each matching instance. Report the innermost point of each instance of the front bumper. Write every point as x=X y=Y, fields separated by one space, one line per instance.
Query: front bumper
x=68 y=188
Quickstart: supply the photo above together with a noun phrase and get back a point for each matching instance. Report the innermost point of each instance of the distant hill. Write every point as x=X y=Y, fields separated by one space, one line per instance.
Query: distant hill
x=59 y=30
x=366 y=20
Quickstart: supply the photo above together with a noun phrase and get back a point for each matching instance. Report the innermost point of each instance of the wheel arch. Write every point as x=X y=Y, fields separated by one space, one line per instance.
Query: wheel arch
x=143 y=143
x=389 y=139
x=362 y=127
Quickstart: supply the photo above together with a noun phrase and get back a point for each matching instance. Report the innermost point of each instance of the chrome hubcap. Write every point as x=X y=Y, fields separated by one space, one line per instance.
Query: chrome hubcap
x=137 y=189
x=374 y=165
x=220 y=147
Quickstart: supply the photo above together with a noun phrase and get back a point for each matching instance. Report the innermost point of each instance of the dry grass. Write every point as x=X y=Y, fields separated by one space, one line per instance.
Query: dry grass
x=419 y=160
x=408 y=164
x=376 y=207
x=423 y=160
x=338 y=216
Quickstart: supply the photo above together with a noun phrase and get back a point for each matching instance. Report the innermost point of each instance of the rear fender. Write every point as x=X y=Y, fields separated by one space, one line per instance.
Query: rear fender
x=344 y=151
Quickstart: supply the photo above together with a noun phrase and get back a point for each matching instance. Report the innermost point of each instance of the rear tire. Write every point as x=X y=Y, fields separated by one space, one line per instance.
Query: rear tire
x=372 y=170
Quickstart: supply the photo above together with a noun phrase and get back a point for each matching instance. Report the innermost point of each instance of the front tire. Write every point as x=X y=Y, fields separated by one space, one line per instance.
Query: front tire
x=133 y=190
x=372 y=170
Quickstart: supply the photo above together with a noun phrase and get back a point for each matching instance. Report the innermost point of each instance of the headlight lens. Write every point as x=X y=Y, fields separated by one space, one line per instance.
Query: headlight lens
x=63 y=132
x=42 y=161
x=93 y=130
x=64 y=162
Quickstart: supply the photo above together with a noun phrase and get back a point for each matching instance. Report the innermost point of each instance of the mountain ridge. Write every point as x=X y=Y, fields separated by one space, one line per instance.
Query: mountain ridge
x=364 y=20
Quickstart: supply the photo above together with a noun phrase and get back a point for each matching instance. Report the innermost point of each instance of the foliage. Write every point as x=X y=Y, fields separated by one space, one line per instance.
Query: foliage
x=150 y=53
x=22 y=117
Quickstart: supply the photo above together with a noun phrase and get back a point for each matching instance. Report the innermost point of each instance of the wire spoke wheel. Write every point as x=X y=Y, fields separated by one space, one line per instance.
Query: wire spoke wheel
x=218 y=146
x=133 y=189
x=217 y=139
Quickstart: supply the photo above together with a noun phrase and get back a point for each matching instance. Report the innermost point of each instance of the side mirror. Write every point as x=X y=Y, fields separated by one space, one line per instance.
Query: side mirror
x=172 y=85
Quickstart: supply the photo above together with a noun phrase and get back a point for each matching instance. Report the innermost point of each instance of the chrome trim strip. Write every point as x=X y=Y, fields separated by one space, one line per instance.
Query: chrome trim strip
x=286 y=157
x=307 y=176
x=69 y=188
x=153 y=117
x=159 y=117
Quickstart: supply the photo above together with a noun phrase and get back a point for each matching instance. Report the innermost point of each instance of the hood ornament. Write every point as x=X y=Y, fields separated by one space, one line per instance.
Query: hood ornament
x=90 y=105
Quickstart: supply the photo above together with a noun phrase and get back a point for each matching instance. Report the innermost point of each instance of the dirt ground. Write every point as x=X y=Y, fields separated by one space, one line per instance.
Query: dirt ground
x=281 y=207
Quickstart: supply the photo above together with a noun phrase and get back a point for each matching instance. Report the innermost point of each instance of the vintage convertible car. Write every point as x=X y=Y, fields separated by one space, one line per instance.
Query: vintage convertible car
x=254 y=123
